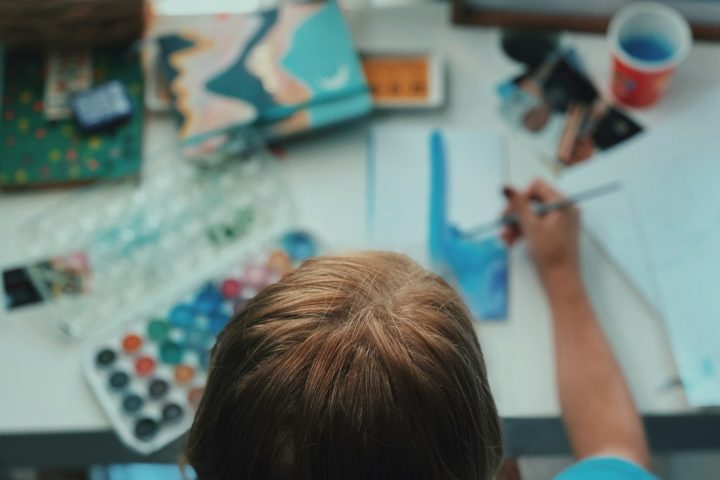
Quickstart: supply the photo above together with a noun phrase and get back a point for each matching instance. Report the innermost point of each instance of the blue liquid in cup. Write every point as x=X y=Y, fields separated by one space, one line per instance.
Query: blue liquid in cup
x=647 y=48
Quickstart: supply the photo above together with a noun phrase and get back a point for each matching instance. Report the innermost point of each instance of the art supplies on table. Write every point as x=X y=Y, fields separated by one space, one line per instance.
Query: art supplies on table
x=428 y=186
x=275 y=73
x=149 y=373
x=46 y=280
x=404 y=80
x=140 y=238
x=662 y=231
x=559 y=108
x=648 y=41
x=41 y=151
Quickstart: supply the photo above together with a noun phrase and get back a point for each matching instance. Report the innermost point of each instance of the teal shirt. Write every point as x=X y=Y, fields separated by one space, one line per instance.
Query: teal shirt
x=601 y=468
x=605 y=468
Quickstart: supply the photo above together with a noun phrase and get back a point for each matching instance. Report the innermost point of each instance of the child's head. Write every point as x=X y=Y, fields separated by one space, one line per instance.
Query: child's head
x=362 y=367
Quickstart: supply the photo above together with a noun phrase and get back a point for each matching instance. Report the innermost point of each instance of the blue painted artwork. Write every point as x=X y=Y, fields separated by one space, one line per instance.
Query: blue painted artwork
x=477 y=267
x=425 y=187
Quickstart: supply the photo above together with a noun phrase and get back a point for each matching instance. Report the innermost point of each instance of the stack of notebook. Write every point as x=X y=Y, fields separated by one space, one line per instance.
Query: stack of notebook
x=263 y=75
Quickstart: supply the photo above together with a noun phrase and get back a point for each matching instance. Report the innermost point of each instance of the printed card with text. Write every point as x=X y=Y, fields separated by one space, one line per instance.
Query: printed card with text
x=66 y=73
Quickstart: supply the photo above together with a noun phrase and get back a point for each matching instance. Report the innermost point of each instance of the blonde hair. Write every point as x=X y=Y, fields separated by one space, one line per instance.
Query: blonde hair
x=353 y=367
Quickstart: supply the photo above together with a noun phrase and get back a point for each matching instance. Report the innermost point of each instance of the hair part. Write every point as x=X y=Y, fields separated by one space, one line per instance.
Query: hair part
x=353 y=367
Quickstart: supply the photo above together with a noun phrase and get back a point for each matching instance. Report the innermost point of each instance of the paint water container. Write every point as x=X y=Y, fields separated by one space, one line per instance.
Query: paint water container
x=648 y=40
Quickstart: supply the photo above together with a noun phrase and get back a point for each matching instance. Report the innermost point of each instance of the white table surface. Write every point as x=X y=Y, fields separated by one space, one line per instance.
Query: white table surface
x=40 y=376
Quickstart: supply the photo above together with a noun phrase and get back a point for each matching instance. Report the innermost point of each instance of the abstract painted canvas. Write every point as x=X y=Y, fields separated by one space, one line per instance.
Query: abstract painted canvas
x=425 y=187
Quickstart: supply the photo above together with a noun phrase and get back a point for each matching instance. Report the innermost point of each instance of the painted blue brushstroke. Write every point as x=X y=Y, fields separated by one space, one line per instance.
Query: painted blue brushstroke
x=437 y=237
x=506 y=90
x=239 y=82
x=477 y=267
x=480 y=270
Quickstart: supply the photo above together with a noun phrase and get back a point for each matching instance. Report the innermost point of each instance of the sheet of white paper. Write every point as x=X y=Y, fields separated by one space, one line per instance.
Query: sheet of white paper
x=678 y=206
x=475 y=174
x=399 y=178
x=664 y=230
x=610 y=220
x=399 y=187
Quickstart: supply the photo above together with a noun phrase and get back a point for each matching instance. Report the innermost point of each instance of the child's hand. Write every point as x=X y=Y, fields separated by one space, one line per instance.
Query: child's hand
x=552 y=239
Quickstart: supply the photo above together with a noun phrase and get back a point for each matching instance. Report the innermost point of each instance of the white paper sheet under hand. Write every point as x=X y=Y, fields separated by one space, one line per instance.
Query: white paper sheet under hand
x=664 y=231
x=678 y=208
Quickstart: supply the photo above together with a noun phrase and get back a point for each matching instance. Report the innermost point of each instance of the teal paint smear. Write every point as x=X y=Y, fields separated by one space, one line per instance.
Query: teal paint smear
x=327 y=113
x=480 y=270
x=237 y=81
x=477 y=267
x=168 y=45
x=313 y=66
x=437 y=230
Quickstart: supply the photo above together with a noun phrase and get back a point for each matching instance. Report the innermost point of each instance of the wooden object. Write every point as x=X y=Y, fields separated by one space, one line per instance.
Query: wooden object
x=471 y=12
x=63 y=24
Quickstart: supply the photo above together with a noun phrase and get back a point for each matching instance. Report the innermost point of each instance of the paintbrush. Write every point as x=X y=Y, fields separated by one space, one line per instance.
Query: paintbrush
x=542 y=209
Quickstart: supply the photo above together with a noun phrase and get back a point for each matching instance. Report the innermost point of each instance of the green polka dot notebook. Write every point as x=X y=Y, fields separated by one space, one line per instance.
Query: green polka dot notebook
x=36 y=152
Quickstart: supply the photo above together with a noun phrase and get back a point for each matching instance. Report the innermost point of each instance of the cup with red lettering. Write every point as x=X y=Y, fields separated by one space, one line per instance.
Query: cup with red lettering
x=648 y=40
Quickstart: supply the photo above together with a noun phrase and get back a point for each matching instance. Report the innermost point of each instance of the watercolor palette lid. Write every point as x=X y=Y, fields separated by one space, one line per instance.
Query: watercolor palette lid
x=139 y=238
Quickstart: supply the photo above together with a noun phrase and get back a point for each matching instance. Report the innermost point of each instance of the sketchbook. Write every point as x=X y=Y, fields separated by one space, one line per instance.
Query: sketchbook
x=274 y=73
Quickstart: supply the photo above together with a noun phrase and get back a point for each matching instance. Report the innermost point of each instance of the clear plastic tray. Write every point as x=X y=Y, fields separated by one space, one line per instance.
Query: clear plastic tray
x=140 y=237
x=149 y=370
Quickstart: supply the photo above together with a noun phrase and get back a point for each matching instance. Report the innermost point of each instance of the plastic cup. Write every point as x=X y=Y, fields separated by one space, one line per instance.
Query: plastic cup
x=648 y=40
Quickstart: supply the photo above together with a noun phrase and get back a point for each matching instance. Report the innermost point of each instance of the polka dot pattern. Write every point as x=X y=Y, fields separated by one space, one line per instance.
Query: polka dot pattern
x=36 y=151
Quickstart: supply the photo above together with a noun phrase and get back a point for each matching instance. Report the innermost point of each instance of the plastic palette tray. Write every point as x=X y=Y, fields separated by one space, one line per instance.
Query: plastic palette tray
x=149 y=372
x=140 y=238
